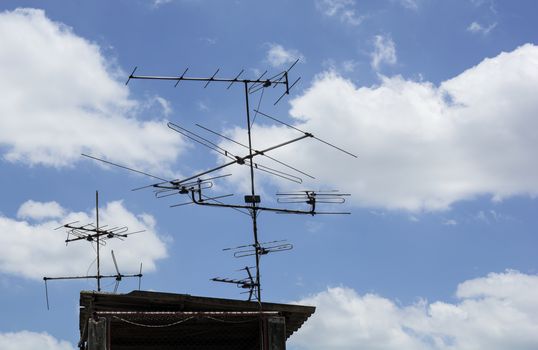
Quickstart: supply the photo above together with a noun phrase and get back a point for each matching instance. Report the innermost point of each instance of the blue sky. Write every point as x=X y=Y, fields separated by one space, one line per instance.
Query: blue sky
x=436 y=98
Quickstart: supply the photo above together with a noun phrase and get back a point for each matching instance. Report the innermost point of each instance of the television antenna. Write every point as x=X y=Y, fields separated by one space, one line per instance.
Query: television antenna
x=246 y=283
x=94 y=233
x=261 y=249
x=196 y=186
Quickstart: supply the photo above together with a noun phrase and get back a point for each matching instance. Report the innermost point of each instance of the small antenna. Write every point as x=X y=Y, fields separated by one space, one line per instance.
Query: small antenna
x=245 y=283
x=312 y=198
x=261 y=249
x=99 y=235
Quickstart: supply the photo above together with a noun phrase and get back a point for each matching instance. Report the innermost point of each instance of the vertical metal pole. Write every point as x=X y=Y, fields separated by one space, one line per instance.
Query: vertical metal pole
x=97 y=230
x=254 y=209
x=254 y=222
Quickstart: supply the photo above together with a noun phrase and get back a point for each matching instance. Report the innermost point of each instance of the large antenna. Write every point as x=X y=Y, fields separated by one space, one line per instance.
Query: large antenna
x=94 y=233
x=197 y=185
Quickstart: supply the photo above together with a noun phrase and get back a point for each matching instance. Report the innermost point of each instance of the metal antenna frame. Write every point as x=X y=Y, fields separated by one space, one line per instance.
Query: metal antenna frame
x=264 y=248
x=95 y=233
x=245 y=283
x=194 y=185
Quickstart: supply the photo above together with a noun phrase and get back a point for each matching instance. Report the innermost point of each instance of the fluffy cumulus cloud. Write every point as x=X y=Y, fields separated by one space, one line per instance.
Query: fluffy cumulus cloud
x=25 y=340
x=278 y=56
x=34 y=249
x=420 y=146
x=39 y=210
x=384 y=52
x=498 y=311
x=59 y=91
x=344 y=10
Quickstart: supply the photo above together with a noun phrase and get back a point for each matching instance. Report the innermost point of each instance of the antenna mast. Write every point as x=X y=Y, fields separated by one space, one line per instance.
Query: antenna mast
x=253 y=210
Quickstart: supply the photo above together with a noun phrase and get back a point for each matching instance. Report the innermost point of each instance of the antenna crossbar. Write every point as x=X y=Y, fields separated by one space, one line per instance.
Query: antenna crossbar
x=309 y=198
x=238 y=160
x=207 y=79
x=91 y=277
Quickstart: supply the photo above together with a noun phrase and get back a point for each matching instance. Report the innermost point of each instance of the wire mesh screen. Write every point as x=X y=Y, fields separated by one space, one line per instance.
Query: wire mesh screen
x=188 y=331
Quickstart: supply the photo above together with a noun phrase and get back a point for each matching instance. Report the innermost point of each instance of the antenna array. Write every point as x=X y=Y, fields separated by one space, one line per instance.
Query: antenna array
x=197 y=185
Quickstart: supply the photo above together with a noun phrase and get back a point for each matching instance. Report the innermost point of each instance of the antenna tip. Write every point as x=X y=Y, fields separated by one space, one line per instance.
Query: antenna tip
x=131 y=75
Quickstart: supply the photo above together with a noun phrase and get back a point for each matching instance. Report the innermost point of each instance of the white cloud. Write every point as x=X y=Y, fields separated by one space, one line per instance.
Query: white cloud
x=278 y=56
x=384 y=51
x=491 y=5
x=349 y=65
x=209 y=41
x=341 y=9
x=409 y=4
x=344 y=67
x=164 y=104
x=159 y=3
x=314 y=226
x=26 y=340
x=202 y=106
x=494 y=312
x=476 y=27
x=59 y=92
x=39 y=210
x=450 y=222
x=481 y=216
x=477 y=3
x=420 y=147
x=491 y=217
x=35 y=250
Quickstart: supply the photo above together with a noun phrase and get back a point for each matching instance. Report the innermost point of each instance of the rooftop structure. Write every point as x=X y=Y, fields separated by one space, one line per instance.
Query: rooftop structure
x=154 y=320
